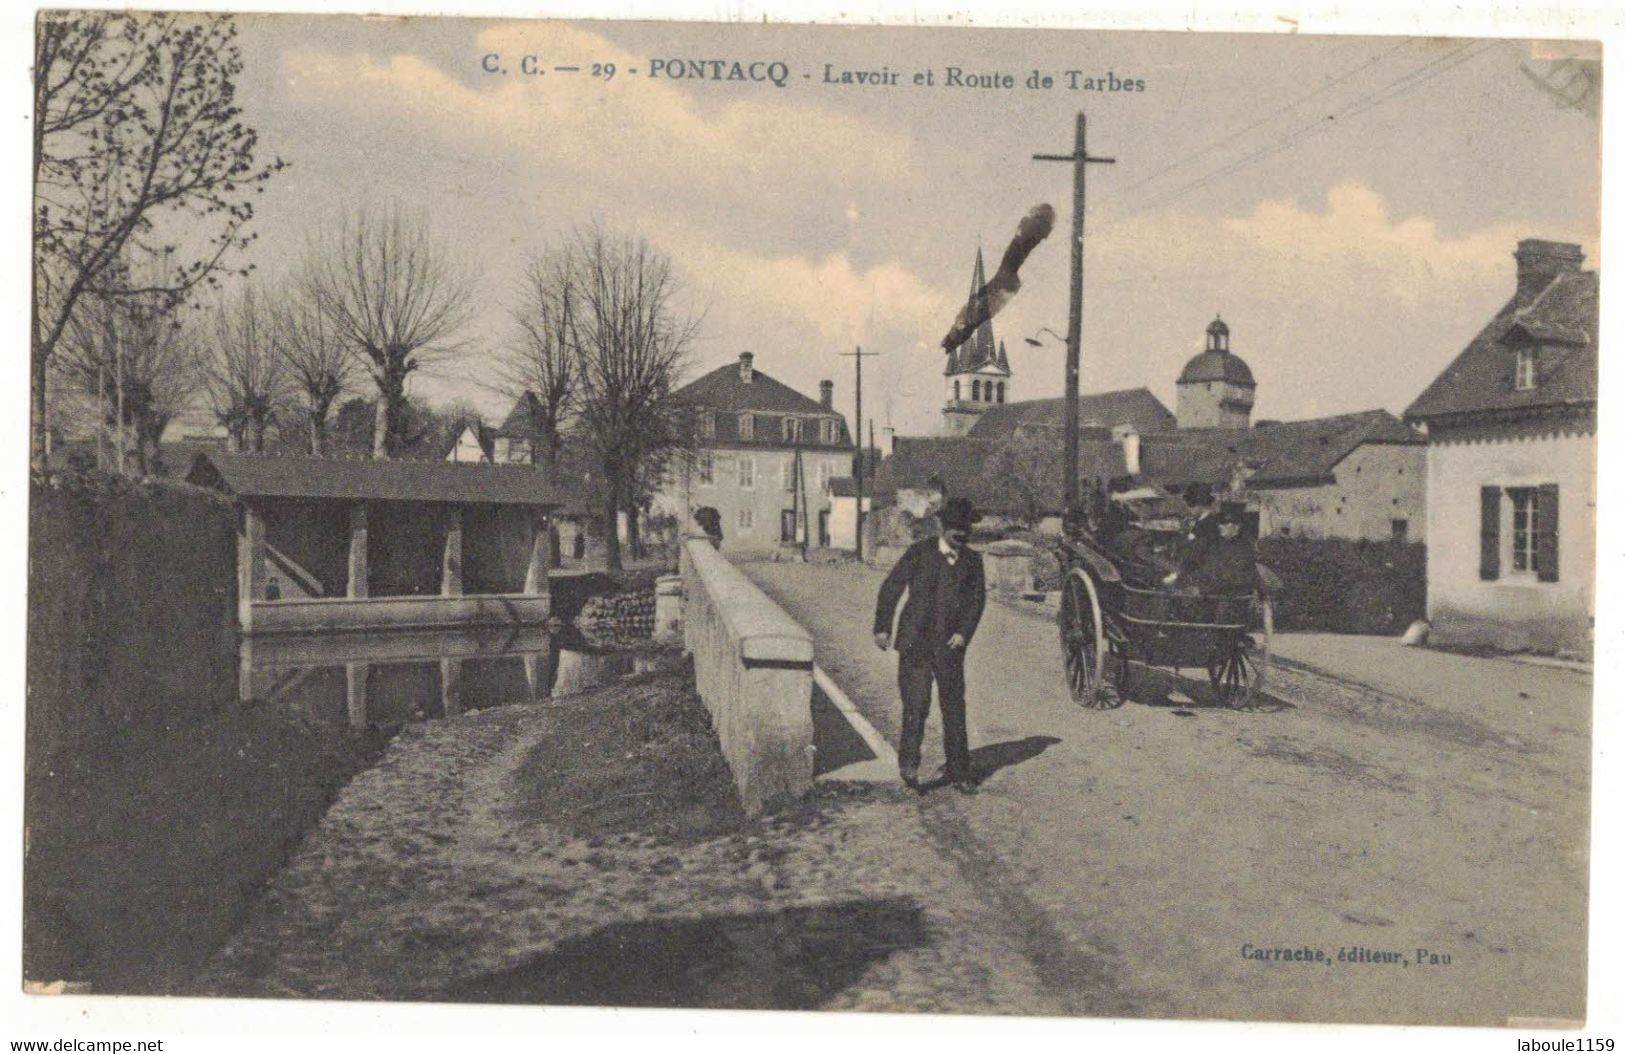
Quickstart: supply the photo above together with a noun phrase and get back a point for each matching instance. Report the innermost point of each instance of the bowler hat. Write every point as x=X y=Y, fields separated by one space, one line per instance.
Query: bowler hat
x=957 y=513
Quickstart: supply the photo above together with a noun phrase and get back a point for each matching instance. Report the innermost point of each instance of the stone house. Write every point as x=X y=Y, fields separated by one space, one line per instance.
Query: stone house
x=1511 y=430
x=762 y=454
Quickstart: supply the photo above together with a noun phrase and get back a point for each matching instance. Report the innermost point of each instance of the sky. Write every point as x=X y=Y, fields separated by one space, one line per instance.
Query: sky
x=1349 y=205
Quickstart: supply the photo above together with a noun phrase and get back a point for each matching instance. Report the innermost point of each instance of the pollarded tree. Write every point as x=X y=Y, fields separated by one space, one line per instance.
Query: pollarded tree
x=128 y=365
x=319 y=366
x=397 y=299
x=243 y=371
x=139 y=152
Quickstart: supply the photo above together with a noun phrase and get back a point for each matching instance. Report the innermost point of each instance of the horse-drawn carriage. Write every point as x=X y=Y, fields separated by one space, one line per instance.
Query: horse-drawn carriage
x=1148 y=580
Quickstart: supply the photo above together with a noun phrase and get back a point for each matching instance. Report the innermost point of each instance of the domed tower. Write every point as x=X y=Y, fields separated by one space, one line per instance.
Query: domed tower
x=977 y=373
x=1216 y=387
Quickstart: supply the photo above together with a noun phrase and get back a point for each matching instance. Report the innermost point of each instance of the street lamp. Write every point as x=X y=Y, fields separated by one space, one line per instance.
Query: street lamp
x=1035 y=342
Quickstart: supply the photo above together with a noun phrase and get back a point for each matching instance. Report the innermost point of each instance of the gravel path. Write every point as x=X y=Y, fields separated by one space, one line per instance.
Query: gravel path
x=423 y=881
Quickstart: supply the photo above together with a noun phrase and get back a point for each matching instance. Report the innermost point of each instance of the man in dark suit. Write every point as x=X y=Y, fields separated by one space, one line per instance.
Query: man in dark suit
x=946 y=591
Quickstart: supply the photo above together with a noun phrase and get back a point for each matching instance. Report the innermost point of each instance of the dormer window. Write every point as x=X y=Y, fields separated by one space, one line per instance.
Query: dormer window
x=829 y=432
x=708 y=426
x=747 y=427
x=792 y=430
x=1523 y=374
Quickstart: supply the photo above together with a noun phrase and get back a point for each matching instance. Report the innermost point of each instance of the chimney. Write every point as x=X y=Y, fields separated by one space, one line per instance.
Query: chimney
x=746 y=372
x=826 y=394
x=1541 y=261
x=1128 y=438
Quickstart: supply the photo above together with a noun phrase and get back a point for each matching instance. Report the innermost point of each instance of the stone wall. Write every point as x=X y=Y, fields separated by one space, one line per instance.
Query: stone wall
x=753 y=669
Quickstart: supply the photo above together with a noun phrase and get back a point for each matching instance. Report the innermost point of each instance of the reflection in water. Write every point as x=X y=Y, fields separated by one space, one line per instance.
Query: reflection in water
x=389 y=679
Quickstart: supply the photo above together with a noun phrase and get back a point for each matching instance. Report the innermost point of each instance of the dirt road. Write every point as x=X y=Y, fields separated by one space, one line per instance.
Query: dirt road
x=1397 y=836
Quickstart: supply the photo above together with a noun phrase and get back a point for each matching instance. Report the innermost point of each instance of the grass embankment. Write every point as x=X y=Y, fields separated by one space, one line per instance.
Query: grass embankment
x=640 y=757
x=144 y=851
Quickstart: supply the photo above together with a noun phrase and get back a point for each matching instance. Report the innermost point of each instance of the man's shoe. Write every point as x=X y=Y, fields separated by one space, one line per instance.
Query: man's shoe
x=911 y=779
x=965 y=786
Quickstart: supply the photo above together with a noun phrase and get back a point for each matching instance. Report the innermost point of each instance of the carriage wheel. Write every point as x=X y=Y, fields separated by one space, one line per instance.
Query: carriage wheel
x=1119 y=655
x=1083 y=641
x=1237 y=671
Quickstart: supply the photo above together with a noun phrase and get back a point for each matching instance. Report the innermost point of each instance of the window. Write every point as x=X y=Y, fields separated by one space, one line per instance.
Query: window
x=1523 y=378
x=956 y=391
x=706 y=469
x=787 y=473
x=1525 y=507
x=708 y=426
x=975 y=391
x=1001 y=391
x=1400 y=529
x=828 y=429
x=747 y=520
x=747 y=472
x=518 y=450
x=826 y=472
x=792 y=429
x=747 y=426
x=1518 y=533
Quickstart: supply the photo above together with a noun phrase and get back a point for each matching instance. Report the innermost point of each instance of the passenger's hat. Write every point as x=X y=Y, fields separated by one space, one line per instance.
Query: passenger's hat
x=957 y=514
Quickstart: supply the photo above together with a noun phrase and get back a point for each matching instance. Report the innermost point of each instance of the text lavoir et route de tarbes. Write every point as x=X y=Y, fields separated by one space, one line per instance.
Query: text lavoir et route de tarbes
x=782 y=74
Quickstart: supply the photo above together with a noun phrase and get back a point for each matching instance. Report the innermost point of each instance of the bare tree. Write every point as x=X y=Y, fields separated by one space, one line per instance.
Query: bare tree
x=138 y=147
x=244 y=370
x=130 y=364
x=541 y=358
x=631 y=344
x=316 y=360
x=396 y=298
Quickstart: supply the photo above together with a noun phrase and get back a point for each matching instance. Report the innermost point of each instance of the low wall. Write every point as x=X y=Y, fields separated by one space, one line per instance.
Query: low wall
x=342 y=614
x=753 y=669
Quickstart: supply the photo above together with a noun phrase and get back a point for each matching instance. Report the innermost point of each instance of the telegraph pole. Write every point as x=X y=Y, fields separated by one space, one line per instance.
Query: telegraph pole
x=1074 y=331
x=857 y=438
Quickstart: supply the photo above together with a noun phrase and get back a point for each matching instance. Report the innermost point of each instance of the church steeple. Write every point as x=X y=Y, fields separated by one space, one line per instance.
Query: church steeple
x=981 y=349
x=978 y=371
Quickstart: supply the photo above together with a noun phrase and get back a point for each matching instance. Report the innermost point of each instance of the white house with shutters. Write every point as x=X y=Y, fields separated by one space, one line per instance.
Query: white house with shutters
x=762 y=455
x=1511 y=426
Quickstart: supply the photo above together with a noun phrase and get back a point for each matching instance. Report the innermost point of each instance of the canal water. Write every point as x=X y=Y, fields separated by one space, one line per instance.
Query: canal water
x=385 y=680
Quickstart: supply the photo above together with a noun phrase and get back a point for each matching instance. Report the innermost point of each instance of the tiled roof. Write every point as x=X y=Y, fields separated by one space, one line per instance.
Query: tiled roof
x=1283 y=454
x=525 y=420
x=1130 y=406
x=959 y=466
x=725 y=393
x=250 y=475
x=1560 y=323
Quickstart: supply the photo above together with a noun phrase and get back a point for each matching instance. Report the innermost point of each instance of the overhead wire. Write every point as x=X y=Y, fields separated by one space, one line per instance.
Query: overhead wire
x=1392 y=90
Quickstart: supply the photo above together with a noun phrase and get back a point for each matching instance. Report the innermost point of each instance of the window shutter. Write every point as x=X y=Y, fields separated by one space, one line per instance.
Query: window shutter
x=1489 y=533
x=1546 y=533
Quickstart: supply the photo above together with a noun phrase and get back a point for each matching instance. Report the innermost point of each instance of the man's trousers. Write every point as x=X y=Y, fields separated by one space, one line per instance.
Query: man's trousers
x=915 y=672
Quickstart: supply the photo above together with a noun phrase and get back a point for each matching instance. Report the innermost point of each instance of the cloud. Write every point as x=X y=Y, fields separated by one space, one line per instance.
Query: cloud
x=1337 y=305
x=633 y=131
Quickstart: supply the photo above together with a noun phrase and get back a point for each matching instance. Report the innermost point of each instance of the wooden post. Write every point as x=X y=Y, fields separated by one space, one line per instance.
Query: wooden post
x=536 y=572
x=250 y=566
x=451 y=562
x=451 y=687
x=245 y=671
x=357 y=588
x=355 y=693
